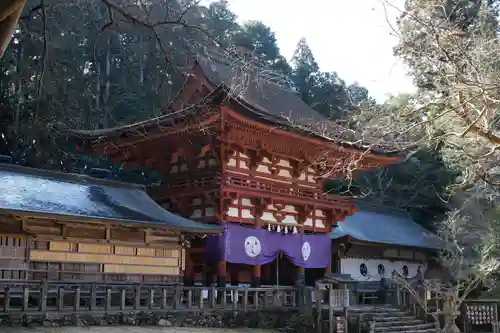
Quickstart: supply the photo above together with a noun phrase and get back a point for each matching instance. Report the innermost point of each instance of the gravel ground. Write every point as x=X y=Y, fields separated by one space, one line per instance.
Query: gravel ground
x=127 y=329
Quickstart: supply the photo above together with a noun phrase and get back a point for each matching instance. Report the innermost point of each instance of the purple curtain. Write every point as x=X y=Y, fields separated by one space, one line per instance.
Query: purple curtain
x=241 y=245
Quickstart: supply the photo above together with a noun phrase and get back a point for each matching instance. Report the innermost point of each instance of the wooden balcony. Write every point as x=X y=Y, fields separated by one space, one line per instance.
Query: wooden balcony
x=259 y=188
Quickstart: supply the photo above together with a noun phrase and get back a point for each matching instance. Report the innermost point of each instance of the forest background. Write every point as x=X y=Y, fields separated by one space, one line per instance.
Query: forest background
x=98 y=64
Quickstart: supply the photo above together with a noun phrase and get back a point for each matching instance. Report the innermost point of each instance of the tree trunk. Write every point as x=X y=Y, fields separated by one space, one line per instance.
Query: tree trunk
x=141 y=61
x=98 y=89
x=107 y=86
x=450 y=316
x=20 y=96
x=450 y=325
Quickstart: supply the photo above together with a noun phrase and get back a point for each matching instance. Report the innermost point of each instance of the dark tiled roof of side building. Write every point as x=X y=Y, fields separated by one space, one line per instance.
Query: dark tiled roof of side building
x=59 y=195
x=386 y=226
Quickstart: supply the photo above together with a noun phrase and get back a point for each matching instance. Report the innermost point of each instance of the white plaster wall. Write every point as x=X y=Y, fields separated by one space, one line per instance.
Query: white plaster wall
x=351 y=266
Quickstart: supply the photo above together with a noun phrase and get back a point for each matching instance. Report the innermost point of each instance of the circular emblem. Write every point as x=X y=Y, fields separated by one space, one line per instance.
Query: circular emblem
x=381 y=270
x=252 y=246
x=405 y=271
x=306 y=251
x=363 y=269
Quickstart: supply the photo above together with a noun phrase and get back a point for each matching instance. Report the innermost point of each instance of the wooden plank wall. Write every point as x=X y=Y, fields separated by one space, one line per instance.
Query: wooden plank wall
x=113 y=258
x=12 y=255
x=83 y=251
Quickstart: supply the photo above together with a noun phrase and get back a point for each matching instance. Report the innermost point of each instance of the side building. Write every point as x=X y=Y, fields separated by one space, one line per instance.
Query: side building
x=59 y=226
x=375 y=242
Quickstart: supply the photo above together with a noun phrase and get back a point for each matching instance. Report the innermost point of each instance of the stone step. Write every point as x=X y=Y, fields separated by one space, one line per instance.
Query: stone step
x=374 y=309
x=392 y=319
x=415 y=331
x=406 y=322
x=404 y=328
x=399 y=314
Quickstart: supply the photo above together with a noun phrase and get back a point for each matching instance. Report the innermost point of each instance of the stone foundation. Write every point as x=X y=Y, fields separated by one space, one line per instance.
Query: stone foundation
x=279 y=318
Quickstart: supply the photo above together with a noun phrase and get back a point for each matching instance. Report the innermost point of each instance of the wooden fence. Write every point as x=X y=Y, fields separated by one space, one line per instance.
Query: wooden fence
x=480 y=316
x=35 y=297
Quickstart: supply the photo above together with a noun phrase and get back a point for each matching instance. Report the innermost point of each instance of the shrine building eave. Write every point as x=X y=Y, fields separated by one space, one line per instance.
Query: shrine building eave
x=271 y=102
x=268 y=103
x=385 y=228
x=35 y=193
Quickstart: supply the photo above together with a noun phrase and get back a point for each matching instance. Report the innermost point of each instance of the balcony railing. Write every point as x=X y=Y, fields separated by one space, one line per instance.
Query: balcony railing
x=259 y=187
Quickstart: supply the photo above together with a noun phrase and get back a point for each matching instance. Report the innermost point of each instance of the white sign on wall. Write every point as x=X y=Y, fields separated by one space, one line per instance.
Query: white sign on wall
x=373 y=269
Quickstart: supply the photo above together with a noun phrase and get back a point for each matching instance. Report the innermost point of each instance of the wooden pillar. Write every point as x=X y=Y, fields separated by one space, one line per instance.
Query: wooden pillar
x=300 y=278
x=328 y=269
x=188 y=269
x=257 y=267
x=221 y=273
x=256 y=276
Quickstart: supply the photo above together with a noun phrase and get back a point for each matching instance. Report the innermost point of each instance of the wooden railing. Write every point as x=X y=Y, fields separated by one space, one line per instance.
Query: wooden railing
x=334 y=298
x=247 y=183
x=258 y=185
x=69 y=297
x=62 y=275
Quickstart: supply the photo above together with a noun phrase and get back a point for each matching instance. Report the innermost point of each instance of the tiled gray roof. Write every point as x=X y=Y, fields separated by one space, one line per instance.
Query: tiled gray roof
x=386 y=228
x=265 y=96
x=34 y=191
x=272 y=101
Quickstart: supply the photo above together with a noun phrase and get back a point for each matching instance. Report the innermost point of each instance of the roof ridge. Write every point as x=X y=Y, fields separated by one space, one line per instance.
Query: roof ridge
x=253 y=66
x=382 y=209
x=68 y=176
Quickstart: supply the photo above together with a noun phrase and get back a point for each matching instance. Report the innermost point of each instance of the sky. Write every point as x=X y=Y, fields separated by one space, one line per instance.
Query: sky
x=350 y=37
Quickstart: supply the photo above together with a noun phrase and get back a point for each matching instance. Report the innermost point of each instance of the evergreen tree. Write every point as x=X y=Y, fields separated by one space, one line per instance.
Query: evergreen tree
x=261 y=41
x=325 y=92
x=305 y=71
x=221 y=22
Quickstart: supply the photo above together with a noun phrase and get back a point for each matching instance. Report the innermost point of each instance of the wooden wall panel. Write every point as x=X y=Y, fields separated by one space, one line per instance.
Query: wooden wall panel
x=146 y=251
x=126 y=250
x=154 y=238
x=75 y=257
x=110 y=268
x=86 y=233
x=127 y=235
x=167 y=253
x=39 y=245
x=18 y=253
x=12 y=240
x=81 y=252
x=59 y=246
x=12 y=247
x=43 y=230
x=12 y=256
x=94 y=248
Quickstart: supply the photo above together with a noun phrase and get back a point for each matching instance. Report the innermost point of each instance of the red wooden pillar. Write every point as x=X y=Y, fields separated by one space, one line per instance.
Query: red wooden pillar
x=301 y=276
x=222 y=273
x=256 y=275
x=301 y=271
x=256 y=267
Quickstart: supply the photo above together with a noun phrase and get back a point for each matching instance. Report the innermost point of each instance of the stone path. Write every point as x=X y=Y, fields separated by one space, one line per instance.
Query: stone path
x=127 y=329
